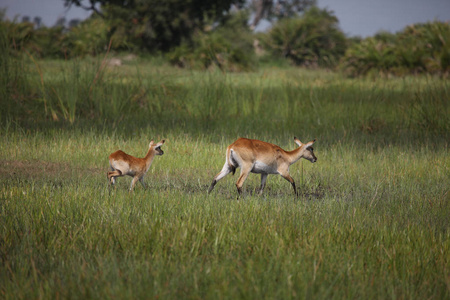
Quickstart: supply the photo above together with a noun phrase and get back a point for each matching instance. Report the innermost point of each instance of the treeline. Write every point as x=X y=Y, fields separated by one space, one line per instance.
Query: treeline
x=312 y=39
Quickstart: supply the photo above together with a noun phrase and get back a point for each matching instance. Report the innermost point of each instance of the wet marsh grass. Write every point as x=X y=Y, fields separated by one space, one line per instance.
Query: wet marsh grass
x=372 y=219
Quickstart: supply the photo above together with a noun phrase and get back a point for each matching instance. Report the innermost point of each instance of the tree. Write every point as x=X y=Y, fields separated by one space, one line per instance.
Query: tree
x=228 y=46
x=61 y=22
x=37 y=22
x=155 y=24
x=74 y=23
x=92 y=4
x=269 y=9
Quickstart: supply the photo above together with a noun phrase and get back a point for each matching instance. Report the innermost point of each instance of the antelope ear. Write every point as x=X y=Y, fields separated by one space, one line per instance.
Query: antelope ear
x=151 y=143
x=160 y=143
x=309 y=144
x=297 y=141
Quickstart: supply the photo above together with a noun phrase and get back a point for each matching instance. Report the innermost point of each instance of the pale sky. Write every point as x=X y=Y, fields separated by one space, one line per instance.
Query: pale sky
x=367 y=17
x=356 y=17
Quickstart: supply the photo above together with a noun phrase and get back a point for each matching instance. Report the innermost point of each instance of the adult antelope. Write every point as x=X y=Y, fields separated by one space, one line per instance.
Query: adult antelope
x=124 y=164
x=265 y=158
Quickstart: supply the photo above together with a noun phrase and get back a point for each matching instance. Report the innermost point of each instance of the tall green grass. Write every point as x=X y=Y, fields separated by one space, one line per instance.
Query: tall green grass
x=372 y=219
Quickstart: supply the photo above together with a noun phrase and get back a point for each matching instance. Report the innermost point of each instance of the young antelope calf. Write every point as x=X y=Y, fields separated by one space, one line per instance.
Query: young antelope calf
x=260 y=157
x=123 y=164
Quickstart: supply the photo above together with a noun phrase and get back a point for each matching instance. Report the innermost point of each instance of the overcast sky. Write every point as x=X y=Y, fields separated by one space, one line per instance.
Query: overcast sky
x=356 y=17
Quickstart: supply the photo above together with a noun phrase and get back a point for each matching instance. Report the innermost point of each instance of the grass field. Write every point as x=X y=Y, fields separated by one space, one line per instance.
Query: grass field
x=372 y=220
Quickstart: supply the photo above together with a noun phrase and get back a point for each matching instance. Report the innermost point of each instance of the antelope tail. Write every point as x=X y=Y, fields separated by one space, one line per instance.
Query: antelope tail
x=229 y=160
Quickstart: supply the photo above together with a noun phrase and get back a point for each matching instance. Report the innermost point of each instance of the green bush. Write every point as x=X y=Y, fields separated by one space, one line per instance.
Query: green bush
x=228 y=47
x=368 y=55
x=312 y=39
x=88 y=38
x=50 y=42
x=419 y=48
x=19 y=36
x=424 y=47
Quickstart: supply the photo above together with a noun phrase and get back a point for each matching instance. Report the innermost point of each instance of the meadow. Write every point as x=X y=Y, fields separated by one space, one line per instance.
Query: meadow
x=371 y=221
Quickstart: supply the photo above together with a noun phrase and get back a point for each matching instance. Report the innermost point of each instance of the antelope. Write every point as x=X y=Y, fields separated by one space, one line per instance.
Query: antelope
x=124 y=164
x=264 y=158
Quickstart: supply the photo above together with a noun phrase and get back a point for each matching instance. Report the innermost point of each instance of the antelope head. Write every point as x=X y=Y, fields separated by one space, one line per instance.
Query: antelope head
x=157 y=147
x=307 y=150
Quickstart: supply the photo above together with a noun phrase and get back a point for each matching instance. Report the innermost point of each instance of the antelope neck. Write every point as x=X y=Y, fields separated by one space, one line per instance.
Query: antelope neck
x=295 y=154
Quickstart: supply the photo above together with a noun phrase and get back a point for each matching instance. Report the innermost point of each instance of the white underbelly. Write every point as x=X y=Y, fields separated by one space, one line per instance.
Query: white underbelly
x=260 y=167
x=123 y=167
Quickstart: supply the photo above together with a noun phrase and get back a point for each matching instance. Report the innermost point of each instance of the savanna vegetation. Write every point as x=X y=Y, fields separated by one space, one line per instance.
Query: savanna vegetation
x=371 y=221
x=222 y=37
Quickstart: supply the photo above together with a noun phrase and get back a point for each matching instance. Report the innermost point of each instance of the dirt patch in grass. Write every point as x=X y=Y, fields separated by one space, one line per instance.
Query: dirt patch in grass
x=43 y=169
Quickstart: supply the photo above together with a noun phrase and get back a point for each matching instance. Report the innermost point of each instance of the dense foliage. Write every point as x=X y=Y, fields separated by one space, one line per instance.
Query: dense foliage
x=228 y=46
x=313 y=39
x=87 y=38
x=155 y=25
x=419 y=48
x=275 y=10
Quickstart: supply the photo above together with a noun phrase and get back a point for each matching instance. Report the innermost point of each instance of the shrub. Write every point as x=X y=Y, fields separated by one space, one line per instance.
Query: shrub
x=228 y=47
x=19 y=35
x=49 y=41
x=312 y=39
x=368 y=55
x=419 y=48
x=88 y=38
